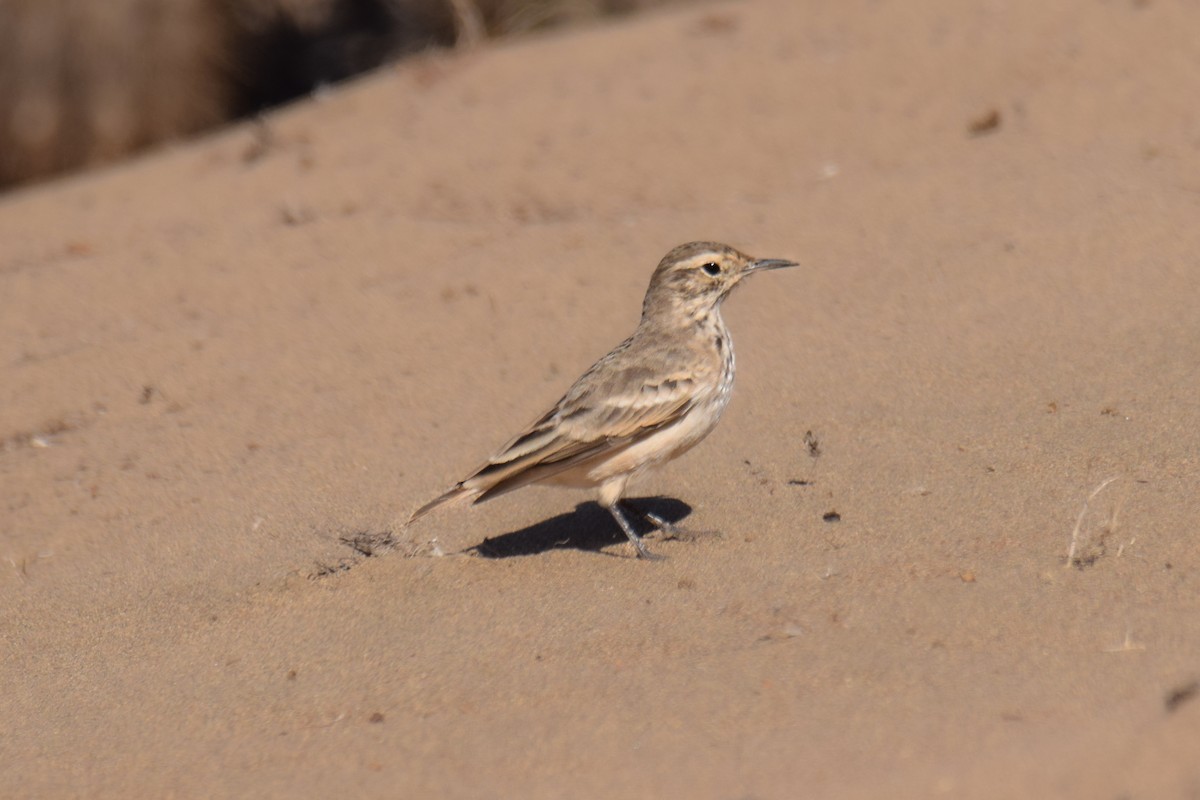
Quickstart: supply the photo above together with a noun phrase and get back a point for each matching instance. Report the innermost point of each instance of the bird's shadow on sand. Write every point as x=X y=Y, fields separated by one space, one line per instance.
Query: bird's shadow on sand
x=589 y=527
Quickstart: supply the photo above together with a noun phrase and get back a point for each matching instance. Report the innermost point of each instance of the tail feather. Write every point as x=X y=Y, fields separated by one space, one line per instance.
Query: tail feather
x=516 y=467
x=458 y=493
x=530 y=458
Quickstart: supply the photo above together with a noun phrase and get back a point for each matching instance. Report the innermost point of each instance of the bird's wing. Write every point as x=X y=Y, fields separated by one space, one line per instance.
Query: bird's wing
x=583 y=426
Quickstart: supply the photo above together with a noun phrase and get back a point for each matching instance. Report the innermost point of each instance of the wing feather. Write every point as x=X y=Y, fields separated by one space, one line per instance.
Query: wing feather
x=581 y=429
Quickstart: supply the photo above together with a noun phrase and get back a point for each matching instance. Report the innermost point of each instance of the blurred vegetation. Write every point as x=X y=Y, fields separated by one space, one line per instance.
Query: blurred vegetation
x=84 y=82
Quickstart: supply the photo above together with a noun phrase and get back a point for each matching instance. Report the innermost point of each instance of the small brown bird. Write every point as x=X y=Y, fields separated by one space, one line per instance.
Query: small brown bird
x=654 y=397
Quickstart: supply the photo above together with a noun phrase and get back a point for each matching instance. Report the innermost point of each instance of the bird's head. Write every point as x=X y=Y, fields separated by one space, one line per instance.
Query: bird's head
x=695 y=277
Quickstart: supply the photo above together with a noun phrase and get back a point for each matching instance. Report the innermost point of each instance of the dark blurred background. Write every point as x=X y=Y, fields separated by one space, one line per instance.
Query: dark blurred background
x=85 y=82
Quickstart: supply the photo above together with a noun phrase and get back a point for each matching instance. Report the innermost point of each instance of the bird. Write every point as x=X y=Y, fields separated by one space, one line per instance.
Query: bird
x=650 y=400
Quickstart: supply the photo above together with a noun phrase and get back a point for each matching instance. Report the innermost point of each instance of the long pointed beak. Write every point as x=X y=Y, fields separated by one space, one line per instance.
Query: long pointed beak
x=764 y=264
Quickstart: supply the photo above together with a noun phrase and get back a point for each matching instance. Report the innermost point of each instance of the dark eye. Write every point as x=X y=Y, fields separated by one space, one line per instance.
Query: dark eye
x=712 y=268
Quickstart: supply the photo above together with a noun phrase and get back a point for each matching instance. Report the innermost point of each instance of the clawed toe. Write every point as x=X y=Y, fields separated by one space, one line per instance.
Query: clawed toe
x=646 y=555
x=663 y=530
x=672 y=532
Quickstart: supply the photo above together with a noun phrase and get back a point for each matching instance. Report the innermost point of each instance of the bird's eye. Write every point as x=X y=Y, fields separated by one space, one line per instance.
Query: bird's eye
x=712 y=268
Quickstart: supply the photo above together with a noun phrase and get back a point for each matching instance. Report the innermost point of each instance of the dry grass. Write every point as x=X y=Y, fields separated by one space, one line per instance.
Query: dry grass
x=1089 y=538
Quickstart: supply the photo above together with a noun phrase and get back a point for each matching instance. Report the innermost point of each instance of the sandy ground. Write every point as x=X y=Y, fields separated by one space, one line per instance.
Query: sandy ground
x=219 y=360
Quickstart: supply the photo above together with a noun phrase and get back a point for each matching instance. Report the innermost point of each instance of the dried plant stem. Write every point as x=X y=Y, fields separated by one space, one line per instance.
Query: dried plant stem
x=1079 y=519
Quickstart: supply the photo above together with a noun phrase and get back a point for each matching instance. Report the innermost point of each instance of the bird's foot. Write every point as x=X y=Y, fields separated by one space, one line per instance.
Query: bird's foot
x=669 y=531
x=644 y=552
x=634 y=539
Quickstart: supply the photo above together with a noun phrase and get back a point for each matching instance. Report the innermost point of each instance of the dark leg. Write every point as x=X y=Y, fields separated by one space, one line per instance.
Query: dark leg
x=669 y=530
x=642 y=552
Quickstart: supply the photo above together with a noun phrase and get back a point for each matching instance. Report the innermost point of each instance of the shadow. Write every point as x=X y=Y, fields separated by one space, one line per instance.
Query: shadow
x=589 y=527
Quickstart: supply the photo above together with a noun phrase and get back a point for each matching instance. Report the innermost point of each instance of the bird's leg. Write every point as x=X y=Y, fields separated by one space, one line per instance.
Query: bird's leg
x=669 y=530
x=642 y=552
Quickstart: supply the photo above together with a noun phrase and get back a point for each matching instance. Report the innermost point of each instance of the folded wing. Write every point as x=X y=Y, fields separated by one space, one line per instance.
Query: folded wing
x=583 y=427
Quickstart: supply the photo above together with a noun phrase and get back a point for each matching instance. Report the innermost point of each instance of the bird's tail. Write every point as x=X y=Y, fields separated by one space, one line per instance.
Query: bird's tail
x=458 y=493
